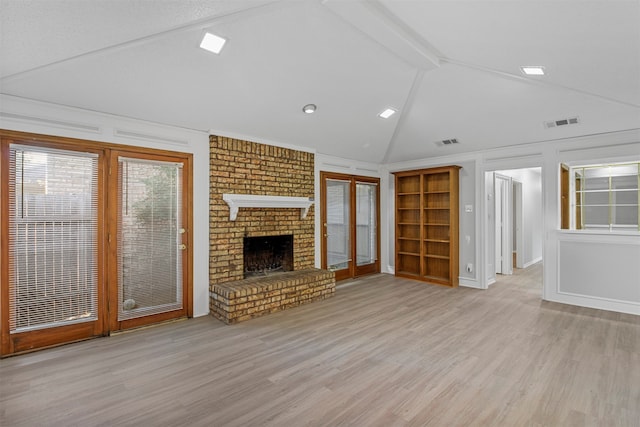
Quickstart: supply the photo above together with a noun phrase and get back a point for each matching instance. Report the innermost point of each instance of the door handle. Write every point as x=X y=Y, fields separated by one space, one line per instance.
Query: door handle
x=183 y=247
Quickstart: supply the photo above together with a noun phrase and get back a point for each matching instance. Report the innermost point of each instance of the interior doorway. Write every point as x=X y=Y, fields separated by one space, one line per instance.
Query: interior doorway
x=513 y=221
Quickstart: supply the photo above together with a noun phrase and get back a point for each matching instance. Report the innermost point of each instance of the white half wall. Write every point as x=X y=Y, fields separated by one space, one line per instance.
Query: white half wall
x=601 y=271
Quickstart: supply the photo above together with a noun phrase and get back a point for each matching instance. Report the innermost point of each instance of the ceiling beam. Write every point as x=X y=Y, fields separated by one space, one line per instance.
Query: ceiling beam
x=404 y=113
x=374 y=20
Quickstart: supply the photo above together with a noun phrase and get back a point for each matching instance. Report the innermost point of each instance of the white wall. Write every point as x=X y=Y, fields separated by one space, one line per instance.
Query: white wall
x=36 y=117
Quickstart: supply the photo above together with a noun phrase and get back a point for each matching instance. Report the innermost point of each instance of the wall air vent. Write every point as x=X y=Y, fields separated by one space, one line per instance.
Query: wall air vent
x=148 y=137
x=52 y=122
x=447 y=141
x=561 y=122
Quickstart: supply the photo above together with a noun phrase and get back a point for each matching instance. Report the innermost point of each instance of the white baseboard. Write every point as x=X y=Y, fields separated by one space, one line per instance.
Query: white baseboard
x=530 y=263
x=596 y=303
x=469 y=283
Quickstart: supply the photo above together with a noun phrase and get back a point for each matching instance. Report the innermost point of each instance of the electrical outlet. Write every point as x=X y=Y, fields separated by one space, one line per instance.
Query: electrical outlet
x=469 y=268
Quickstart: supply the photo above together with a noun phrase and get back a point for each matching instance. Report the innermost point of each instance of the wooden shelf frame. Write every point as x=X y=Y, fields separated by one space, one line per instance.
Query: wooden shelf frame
x=427 y=235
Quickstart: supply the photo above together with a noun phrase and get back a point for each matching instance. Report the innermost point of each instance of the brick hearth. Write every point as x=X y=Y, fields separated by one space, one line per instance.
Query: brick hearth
x=234 y=302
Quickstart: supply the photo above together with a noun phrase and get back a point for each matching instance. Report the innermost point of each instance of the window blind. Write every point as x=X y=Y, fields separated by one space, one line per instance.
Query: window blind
x=366 y=222
x=53 y=199
x=338 y=203
x=149 y=236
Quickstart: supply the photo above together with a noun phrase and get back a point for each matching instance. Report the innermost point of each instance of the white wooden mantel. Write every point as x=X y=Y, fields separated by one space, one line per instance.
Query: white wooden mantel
x=237 y=201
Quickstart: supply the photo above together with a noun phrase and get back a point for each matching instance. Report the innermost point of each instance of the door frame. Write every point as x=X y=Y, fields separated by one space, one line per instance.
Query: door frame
x=353 y=270
x=101 y=327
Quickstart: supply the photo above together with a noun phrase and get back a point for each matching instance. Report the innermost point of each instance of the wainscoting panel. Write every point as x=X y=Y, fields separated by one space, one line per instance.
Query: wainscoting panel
x=604 y=267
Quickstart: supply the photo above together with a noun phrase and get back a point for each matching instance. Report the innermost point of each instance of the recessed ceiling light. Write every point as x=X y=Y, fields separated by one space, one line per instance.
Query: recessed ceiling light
x=387 y=113
x=309 y=108
x=212 y=43
x=533 y=70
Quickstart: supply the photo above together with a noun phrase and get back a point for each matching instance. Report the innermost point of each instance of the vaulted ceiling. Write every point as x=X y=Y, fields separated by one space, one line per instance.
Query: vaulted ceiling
x=450 y=68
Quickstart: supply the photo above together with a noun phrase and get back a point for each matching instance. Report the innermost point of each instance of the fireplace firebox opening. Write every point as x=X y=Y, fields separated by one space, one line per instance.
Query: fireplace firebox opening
x=266 y=255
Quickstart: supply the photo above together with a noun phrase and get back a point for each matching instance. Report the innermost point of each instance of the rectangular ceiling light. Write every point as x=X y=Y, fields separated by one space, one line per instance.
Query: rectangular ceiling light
x=533 y=70
x=387 y=113
x=212 y=43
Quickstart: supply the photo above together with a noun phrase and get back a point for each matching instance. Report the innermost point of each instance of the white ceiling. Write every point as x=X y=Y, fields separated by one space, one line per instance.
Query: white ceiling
x=451 y=68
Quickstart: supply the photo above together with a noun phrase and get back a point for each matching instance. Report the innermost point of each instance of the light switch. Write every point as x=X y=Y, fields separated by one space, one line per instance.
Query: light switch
x=468 y=208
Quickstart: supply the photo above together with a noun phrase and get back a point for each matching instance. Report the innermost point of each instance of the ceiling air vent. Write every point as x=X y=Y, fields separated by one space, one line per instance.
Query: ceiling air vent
x=561 y=122
x=447 y=141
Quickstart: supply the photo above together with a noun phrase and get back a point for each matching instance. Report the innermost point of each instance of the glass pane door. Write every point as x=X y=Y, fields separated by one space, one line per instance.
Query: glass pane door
x=53 y=278
x=366 y=223
x=150 y=247
x=337 y=233
x=349 y=211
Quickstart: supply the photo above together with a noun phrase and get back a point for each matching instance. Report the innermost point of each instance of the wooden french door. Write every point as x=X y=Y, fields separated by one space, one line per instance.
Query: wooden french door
x=93 y=239
x=148 y=249
x=350 y=212
x=52 y=245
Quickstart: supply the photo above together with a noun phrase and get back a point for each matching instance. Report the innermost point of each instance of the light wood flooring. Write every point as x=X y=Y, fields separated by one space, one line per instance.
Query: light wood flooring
x=382 y=352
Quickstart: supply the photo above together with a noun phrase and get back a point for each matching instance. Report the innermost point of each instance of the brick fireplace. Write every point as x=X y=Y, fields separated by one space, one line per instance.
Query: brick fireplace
x=244 y=167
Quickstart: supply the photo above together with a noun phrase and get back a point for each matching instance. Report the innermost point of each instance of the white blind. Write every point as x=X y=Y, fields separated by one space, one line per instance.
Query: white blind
x=366 y=223
x=338 y=205
x=53 y=200
x=149 y=237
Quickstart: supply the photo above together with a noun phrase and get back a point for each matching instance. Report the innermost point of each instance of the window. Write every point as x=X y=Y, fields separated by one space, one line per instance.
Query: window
x=605 y=197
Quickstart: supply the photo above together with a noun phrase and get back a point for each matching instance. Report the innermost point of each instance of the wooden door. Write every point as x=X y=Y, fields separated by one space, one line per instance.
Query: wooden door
x=94 y=238
x=365 y=229
x=149 y=245
x=350 y=211
x=52 y=244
